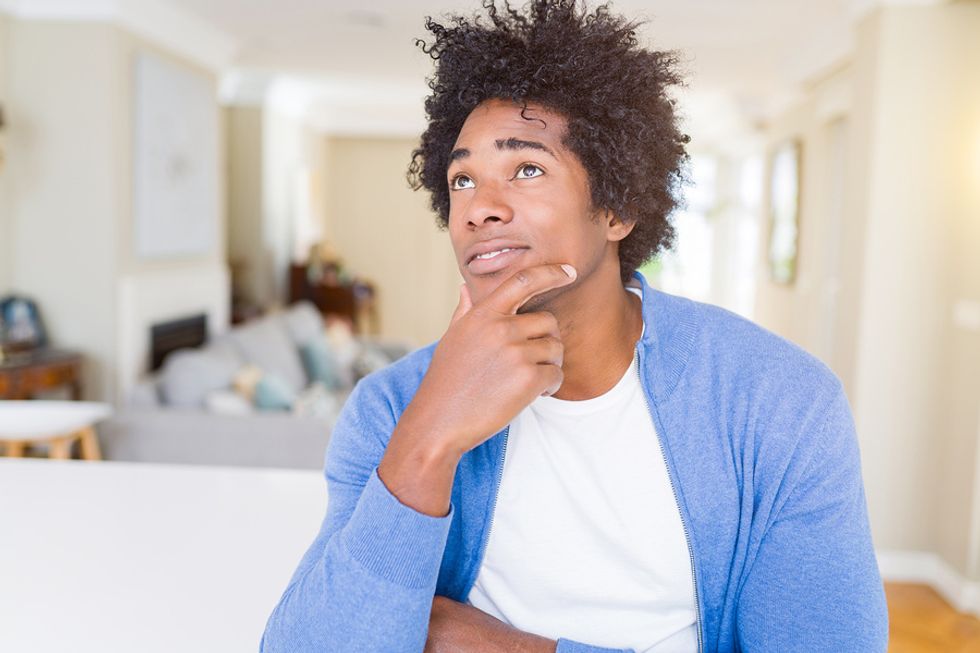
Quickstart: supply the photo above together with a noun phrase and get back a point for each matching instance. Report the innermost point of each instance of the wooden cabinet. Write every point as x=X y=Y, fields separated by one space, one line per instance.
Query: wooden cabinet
x=24 y=375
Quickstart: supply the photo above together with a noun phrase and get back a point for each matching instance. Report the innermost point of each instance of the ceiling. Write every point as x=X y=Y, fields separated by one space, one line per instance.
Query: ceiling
x=743 y=57
x=352 y=66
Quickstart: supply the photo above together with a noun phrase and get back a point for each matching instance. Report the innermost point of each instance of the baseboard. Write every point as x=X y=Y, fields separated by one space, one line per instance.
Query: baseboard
x=930 y=569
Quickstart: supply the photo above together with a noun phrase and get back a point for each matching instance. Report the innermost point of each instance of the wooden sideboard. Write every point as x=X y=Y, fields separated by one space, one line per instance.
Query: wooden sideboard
x=356 y=304
x=24 y=375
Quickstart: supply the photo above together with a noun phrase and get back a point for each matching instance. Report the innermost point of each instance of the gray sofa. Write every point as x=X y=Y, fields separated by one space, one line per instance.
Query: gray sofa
x=181 y=414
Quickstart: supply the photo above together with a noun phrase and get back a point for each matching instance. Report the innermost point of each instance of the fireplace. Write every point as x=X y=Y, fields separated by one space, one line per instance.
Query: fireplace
x=166 y=337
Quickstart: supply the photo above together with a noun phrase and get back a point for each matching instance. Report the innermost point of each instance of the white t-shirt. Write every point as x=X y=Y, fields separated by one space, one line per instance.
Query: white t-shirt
x=586 y=541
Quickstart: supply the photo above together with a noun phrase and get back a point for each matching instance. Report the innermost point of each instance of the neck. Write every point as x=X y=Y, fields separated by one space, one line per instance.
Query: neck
x=599 y=328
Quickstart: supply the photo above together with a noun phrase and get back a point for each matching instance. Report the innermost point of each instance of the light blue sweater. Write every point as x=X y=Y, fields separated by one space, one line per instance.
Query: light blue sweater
x=760 y=445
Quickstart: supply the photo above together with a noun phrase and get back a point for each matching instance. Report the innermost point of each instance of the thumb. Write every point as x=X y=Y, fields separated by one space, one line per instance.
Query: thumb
x=465 y=303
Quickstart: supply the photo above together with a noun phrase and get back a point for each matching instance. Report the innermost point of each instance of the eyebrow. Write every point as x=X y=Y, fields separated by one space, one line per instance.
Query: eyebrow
x=505 y=144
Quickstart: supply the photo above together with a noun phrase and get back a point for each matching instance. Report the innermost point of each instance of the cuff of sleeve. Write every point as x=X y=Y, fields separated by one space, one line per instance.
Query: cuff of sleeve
x=395 y=541
x=568 y=646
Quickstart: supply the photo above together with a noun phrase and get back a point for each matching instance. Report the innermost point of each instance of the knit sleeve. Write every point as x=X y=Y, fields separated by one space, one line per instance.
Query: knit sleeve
x=814 y=585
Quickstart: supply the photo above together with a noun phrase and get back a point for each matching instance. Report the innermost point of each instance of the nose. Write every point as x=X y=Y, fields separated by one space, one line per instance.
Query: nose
x=488 y=205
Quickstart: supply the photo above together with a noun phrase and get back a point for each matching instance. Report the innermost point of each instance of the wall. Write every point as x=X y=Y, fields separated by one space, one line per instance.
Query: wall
x=63 y=184
x=71 y=215
x=149 y=292
x=387 y=233
x=807 y=311
x=907 y=340
x=244 y=225
x=292 y=156
x=5 y=252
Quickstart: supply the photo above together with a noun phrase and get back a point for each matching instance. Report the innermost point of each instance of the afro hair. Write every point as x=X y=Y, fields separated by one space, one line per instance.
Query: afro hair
x=585 y=65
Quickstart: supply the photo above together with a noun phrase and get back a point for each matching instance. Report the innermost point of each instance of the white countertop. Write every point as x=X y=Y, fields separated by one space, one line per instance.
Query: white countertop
x=108 y=556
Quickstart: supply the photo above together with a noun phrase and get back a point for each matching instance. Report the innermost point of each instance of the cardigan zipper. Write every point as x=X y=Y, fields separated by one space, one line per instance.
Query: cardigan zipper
x=687 y=535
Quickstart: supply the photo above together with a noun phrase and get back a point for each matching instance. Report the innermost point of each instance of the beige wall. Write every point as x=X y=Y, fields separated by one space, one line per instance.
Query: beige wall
x=5 y=252
x=387 y=233
x=244 y=227
x=70 y=203
x=908 y=245
x=276 y=172
x=64 y=190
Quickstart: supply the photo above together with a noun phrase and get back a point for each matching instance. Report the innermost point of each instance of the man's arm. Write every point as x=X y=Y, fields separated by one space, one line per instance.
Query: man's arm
x=815 y=584
x=459 y=628
x=367 y=581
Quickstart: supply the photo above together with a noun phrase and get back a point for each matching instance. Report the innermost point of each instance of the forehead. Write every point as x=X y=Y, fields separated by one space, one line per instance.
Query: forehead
x=497 y=118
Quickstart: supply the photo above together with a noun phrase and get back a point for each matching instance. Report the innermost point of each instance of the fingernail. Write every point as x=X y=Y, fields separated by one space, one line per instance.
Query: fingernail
x=569 y=270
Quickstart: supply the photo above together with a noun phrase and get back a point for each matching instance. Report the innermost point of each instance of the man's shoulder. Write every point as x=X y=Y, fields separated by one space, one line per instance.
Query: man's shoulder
x=732 y=347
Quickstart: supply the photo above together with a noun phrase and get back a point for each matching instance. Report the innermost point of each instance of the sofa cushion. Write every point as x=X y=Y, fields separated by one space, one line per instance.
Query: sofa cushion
x=303 y=322
x=188 y=375
x=321 y=365
x=272 y=393
x=266 y=343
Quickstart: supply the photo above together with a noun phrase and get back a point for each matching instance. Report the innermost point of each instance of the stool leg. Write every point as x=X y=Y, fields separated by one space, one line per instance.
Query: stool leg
x=14 y=448
x=90 y=444
x=60 y=448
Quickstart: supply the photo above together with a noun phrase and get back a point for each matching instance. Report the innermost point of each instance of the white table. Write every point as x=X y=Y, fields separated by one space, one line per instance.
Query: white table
x=126 y=557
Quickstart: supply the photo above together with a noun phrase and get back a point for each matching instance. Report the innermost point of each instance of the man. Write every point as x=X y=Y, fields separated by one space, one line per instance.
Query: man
x=581 y=463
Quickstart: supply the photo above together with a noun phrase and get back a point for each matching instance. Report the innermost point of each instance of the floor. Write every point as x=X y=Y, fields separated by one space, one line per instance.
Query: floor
x=922 y=622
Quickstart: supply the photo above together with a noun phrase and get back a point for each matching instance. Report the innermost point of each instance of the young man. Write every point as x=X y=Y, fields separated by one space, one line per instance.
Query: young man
x=581 y=463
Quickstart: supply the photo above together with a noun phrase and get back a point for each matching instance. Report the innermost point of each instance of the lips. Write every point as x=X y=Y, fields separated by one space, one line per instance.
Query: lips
x=490 y=246
x=500 y=258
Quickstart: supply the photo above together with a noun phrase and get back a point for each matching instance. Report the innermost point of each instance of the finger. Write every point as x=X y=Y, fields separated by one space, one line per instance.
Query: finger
x=464 y=305
x=551 y=379
x=536 y=325
x=545 y=351
x=524 y=284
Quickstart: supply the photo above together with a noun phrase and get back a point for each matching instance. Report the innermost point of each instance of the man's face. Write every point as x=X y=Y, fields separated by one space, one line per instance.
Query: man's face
x=515 y=186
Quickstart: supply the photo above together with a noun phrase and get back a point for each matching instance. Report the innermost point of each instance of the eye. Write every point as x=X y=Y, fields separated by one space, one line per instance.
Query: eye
x=528 y=171
x=460 y=182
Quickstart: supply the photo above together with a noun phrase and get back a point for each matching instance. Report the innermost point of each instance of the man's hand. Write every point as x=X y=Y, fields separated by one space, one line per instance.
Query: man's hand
x=492 y=363
x=459 y=628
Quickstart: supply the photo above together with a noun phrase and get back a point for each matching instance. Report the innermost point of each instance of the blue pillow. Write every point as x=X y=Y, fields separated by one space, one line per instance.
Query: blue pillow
x=320 y=364
x=272 y=393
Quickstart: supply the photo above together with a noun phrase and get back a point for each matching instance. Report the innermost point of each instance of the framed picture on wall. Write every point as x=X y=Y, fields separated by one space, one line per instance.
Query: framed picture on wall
x=175 y=160
x=784 y=211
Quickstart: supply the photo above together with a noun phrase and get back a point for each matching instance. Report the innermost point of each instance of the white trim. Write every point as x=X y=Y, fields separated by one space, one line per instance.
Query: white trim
x=155 y=20
x=930 y=569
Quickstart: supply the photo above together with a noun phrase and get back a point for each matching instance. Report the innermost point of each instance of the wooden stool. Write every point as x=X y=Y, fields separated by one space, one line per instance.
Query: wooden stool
x=56 y=425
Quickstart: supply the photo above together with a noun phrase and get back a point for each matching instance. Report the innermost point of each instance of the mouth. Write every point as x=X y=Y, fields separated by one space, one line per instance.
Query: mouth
x=494 y=261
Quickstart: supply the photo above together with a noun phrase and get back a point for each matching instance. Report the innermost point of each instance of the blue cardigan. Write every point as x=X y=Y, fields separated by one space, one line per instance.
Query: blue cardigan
x=761 y=450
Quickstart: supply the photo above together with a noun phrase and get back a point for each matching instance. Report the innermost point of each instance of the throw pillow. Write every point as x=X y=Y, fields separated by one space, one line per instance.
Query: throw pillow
x=272 y=393
x=321 y=366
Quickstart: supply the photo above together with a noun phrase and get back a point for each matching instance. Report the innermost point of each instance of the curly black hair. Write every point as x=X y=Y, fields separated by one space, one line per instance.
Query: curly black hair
x=586 y=66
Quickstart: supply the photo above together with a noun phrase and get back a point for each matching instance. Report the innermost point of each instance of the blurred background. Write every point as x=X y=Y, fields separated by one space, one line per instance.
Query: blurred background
x=206 y=237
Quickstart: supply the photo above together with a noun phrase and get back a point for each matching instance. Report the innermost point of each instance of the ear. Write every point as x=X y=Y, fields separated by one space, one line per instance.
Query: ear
x=616 y=229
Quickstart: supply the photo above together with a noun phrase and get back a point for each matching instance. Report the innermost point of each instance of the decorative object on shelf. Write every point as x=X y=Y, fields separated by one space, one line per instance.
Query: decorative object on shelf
x=784 y=212
x=21 y=328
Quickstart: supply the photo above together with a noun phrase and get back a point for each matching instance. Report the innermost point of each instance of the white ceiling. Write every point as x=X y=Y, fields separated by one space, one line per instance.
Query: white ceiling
x=350 y=66
x=743 y=56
